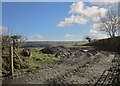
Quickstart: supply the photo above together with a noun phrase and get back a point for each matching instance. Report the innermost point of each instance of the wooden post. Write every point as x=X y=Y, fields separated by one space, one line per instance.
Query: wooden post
x=11 y=62
x=18 y=56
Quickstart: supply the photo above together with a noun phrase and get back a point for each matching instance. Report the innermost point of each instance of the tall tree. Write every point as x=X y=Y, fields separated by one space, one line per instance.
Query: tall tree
x=110 y=23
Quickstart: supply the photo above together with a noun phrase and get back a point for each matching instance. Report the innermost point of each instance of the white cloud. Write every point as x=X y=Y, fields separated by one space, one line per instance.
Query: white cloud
x=96 y=25
x=81 y=14
x=69 y=35
x=93 y=31
x=99 y=26
x=95 y=34
x=72 y=37
x=99 y=36
x=107 y=24
x=77 y=7
x=0 y=30
x=104 y=0
x=3 y=29
x=93 y=12
x=36 y=37
x=72 y=20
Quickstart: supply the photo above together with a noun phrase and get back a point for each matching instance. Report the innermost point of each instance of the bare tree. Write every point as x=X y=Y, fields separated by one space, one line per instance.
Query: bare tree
x=110 y=23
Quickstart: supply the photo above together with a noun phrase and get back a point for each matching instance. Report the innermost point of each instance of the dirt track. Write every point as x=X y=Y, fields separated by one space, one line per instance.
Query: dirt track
x=86 y=69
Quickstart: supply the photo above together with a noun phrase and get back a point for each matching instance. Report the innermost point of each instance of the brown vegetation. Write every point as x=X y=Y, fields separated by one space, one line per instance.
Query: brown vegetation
x=8 y=41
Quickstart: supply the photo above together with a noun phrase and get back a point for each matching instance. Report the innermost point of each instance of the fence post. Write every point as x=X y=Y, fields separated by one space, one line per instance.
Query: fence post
x=11 y=62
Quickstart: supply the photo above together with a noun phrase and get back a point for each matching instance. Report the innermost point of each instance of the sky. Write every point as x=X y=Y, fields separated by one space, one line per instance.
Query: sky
x=51 y=21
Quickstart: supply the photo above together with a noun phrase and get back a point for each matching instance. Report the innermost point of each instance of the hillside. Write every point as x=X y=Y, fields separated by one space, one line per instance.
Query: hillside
x=109 y=44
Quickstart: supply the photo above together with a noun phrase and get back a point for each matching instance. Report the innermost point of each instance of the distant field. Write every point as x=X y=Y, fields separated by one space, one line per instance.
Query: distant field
x=51 y=43
x=78 y=46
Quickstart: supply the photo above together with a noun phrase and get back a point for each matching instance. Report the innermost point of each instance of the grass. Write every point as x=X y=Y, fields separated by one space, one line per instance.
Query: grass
x=41 y=61
x=43 y=57
x=78 y=46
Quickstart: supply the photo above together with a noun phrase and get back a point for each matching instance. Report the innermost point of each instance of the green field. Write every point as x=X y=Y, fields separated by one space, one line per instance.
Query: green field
x=78 y=46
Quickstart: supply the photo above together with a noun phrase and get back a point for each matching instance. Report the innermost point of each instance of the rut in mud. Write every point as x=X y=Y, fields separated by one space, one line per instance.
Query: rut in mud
x=79 y=67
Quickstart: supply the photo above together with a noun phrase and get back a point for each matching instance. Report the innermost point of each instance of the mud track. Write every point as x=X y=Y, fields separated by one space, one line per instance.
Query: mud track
x=86 y=68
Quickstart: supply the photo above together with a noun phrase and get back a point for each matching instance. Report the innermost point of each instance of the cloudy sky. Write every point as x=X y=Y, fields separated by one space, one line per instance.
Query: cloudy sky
x=66 y=21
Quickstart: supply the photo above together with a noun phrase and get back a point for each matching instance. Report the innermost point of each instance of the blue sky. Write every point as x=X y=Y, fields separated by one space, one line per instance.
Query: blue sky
x=39 y=21
x=42 y=0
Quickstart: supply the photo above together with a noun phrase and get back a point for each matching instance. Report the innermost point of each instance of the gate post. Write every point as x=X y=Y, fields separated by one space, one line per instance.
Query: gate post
x=11 y=62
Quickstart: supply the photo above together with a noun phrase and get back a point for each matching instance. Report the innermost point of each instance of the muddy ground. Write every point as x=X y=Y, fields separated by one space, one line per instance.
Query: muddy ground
x=78 y=66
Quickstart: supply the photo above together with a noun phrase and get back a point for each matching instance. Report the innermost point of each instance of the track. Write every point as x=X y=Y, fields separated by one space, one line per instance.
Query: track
x=83 y=70
x=63 y=79
x=111 y=76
